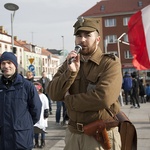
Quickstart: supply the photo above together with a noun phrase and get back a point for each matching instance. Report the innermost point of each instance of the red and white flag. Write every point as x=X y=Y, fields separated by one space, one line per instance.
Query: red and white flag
x=139 y=38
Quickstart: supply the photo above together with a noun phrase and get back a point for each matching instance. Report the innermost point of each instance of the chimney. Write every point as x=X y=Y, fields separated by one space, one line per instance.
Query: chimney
x=15 y=38
x=2 y=30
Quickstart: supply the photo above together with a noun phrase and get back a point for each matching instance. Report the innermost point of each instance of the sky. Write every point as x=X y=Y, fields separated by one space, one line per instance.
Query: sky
x=45 y=23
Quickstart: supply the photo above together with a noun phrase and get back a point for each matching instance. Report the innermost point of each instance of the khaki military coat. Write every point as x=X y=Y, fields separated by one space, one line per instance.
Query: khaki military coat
x=93 y=89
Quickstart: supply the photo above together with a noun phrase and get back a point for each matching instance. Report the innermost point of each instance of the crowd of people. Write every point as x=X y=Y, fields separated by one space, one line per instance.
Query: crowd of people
x=87 y=85
x=134 y=90
x=41 y=125
x=24 y=107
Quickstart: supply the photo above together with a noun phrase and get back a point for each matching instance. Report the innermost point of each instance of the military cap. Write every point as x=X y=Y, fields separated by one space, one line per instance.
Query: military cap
x=86 y=24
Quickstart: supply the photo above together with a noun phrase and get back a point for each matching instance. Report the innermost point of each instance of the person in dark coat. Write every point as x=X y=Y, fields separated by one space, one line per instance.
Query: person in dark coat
x=30 y=76
x=20 y=106
x=147 y=92
x=135 y=92
x=142 y=91
x=44 y=80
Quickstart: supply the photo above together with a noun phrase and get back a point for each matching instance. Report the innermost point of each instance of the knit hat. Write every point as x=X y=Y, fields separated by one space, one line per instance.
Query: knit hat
x=9 y=56
x=87 y=24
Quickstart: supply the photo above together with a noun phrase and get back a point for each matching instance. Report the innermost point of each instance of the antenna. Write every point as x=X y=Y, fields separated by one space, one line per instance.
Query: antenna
x=32 y=36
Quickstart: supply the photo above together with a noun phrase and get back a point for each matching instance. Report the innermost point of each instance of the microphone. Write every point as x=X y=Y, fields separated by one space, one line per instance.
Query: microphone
x=78 y=48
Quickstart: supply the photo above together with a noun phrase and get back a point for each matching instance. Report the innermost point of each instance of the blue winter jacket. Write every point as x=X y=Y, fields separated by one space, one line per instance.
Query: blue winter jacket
x=147 y=90
x=127 y=83
x=20 y=109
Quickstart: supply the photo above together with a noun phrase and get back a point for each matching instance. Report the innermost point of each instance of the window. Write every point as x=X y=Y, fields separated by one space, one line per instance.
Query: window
x=102 y=8
x=140 y=3
x=46 y=61
x=148 y=74
x=125 y=38
x=128 y=55
x=14 y=50
x=125 y=21
x=43 y=61
x=37 y=50
x=111 y=38
x=110 y=22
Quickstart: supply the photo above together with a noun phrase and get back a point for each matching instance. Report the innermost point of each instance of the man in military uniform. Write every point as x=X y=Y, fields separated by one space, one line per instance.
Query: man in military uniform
x=89 y=83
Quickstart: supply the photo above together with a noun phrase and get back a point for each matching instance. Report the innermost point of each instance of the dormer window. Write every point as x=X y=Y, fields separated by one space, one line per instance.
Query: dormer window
x=140 y=3
x=102 y=8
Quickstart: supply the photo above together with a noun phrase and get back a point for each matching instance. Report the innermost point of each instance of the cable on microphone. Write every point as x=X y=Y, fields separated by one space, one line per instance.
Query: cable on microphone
x=78 y=48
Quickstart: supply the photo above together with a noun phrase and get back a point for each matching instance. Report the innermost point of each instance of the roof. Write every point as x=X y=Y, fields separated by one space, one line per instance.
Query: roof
x=111 y=7
x=54 y=51
x=22 y=44
x=45 y=52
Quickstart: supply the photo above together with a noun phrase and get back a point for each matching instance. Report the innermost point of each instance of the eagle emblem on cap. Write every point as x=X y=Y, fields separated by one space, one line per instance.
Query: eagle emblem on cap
x=81 y=20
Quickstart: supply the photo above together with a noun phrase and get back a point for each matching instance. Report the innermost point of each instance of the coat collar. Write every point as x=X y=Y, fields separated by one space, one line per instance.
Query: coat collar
x=96 y=56
x=16 y=83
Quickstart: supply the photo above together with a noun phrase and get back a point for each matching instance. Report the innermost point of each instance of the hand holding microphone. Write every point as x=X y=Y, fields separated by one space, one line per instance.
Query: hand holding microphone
x=78 y=48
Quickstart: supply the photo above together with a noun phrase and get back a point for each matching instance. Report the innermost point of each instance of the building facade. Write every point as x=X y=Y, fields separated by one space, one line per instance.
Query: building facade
x=114 y=16
x=30 y=57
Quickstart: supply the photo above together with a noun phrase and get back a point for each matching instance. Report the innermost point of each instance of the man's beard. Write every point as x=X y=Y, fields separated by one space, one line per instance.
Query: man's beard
x=86 y=51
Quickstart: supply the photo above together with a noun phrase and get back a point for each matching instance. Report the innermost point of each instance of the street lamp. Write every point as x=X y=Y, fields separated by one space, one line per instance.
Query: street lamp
x=62 y=42
x=12 y=7
x=118 y=41
x=106 y=44
x=63 y=45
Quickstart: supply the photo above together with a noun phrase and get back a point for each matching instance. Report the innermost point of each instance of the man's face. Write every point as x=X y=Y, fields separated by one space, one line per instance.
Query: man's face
x=8 y=68
x=29 y=75
x=88 y=40
x=44 y=74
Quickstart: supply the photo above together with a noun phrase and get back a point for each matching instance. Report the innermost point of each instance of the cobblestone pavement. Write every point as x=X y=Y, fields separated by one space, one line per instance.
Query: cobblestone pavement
x=140 y=118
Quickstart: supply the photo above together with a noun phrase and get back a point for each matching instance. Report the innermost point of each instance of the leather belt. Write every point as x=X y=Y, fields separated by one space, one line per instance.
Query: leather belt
x=109 y=124
x=80 y=127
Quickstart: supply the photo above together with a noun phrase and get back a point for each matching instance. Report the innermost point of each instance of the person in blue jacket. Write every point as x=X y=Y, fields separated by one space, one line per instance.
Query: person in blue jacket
x=147 y=92
x=20 y=106
x=127 y=86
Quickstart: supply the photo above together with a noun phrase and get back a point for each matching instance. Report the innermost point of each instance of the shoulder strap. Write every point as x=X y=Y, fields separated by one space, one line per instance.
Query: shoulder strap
x=112 y=114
